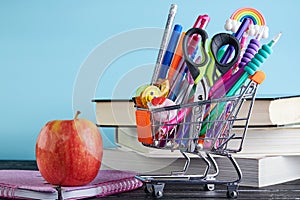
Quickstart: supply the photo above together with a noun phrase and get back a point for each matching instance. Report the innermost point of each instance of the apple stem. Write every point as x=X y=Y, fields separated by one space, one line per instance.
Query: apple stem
x=76 y=115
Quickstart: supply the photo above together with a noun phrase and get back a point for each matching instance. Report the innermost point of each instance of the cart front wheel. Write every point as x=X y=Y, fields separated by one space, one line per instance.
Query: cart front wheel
x=232 y=194
x=148 y=188
x=157 y=194
x=154 y=189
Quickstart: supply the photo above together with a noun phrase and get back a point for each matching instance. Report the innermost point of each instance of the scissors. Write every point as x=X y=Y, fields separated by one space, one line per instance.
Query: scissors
x=209 y=69
x=206 y=71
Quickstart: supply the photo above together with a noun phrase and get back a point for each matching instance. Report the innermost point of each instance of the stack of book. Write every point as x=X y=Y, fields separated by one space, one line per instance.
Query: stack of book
x=272 y=140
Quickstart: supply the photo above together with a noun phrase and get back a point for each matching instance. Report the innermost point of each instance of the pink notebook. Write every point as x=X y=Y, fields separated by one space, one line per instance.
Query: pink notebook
x=25 y=184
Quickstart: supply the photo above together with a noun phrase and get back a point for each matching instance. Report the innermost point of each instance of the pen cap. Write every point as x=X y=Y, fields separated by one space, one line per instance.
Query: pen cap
x=202 y=21
x=258 y=77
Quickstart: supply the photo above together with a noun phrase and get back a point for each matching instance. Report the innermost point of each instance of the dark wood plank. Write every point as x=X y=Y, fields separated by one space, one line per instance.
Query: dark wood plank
x=188 y=191
x=289 y=190
x=18 y=164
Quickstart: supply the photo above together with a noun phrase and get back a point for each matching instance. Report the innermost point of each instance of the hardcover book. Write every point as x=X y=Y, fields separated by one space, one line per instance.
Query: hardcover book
x=258 y=170
x=277 y=141
x=267 y=111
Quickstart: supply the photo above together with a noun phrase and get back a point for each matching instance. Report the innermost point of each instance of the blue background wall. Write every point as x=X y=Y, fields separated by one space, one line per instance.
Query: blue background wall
x=43 y=45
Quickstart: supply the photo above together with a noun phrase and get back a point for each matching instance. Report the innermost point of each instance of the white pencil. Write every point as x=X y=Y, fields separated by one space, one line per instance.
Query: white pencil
x=164 y=42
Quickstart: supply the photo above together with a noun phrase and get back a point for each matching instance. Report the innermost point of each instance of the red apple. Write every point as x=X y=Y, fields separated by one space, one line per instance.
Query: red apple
x=69 y=152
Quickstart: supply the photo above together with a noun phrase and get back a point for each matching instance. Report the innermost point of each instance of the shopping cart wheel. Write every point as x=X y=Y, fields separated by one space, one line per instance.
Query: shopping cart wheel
x=232 y=191
x=209 y=187
x=156 y=190
x=232 y=194
x=148 y=188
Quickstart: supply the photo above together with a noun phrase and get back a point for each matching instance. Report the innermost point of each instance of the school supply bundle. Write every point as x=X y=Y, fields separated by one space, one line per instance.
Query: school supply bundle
x=199 y=85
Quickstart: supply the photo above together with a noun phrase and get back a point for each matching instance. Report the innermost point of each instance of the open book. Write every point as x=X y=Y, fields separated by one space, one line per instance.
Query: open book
x=27 y=184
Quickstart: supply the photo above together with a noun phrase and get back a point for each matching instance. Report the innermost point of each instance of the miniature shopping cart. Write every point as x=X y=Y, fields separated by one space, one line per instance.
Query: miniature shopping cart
x=203 y=128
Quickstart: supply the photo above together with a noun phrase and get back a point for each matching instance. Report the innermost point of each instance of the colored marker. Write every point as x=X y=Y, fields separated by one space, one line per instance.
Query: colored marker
x=172 y=74
x=169 y=52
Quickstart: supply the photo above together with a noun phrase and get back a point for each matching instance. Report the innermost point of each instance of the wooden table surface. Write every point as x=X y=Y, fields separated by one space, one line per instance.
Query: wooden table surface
x=289 y=190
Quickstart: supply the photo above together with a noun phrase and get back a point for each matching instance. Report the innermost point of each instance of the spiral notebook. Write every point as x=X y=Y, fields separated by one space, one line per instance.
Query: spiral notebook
x=27 y=184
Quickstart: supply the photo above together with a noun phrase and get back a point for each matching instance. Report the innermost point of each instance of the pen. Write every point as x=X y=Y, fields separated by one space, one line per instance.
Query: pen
x=169 y=52
x=201 y=22
x=164 y=42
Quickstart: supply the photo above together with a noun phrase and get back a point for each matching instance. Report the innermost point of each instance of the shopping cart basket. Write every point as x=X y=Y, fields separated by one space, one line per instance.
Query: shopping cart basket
x=203 y=128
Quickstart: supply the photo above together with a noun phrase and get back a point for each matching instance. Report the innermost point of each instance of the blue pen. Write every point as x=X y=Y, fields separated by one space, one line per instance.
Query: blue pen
x=170 y=52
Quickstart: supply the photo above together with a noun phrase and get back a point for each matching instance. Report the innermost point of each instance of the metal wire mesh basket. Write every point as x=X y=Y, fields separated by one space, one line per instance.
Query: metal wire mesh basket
x=202 y=128
x=197 y=126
